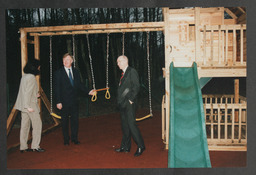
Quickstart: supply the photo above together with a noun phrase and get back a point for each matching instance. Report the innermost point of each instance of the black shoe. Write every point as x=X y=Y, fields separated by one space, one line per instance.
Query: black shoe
x=39 y=150
x=139 y=151
x=26 y=150
x=119 y=150
x=76 y=142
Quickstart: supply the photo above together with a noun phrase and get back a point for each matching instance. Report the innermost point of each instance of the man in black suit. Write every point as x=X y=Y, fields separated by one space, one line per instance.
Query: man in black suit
x=67 y=86
x=126 y=99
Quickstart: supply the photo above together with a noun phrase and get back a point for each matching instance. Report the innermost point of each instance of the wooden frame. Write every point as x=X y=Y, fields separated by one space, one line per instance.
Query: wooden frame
x=184 y=31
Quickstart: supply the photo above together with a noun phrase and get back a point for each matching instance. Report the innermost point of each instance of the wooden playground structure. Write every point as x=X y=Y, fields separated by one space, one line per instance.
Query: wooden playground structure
x=200 y=35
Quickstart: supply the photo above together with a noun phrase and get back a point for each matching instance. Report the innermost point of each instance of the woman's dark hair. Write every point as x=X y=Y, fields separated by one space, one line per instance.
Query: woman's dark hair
x=32 y=67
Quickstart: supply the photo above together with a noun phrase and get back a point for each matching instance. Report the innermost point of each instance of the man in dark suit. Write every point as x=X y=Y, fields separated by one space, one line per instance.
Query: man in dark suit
x=67 y=87
x=126 y=99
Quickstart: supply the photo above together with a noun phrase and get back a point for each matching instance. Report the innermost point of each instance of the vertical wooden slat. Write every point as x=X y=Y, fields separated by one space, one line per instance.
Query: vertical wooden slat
x=234 y=46
x=211 y=117
x=219 y=46
x=233 y=124
x=236 y=87
x=226 y=55
x=241 y=45
x=240 y=124
x=223 y=46
x=204 y=62
x=212 y=54
x=219 y=117
x=226 y=122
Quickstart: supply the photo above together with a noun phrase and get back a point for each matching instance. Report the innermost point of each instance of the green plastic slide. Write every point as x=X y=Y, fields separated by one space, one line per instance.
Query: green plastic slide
x=188 y=146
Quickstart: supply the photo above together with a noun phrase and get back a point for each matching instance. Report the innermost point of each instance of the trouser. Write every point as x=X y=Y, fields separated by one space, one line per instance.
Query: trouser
x=70 y=114
x=28 y=118
x=130 y=128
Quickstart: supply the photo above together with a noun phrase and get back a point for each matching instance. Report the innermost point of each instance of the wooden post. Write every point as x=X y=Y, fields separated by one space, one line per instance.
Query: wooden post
x=236 y=97
x=37 y=56
x=167 y=74
x=197 y=33
x=24 y=48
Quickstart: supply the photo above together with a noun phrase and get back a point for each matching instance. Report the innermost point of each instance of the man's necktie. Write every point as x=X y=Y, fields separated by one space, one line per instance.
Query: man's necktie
x=70 y=78
x=122 y=75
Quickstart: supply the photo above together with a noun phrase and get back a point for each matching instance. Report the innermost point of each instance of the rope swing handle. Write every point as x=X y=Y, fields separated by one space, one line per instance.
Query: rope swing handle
x=107 y=95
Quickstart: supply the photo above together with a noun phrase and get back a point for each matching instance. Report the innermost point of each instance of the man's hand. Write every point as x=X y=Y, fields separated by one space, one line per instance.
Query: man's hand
x=93 y=92
x=59 y=106
x=30 y=110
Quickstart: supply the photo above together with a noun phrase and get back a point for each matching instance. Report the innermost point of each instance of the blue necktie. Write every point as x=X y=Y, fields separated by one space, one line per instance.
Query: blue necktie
x=70 y=78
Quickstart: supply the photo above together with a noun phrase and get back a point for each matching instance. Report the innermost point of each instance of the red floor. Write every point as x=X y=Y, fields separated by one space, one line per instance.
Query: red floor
x=99 y=136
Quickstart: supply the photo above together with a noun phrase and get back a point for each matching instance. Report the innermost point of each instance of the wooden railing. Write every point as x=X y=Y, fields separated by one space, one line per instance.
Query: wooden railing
x=221 y=45
x=226 y=121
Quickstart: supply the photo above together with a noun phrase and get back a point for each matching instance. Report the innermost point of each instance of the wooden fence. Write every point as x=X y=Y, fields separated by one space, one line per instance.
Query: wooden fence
x=226 y=122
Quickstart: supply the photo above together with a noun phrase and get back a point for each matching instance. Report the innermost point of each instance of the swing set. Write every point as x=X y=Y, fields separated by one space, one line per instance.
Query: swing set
x=107 y=94
x=37 y=32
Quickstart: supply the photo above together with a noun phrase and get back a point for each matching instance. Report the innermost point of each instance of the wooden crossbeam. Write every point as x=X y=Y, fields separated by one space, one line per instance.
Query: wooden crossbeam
x=94 y=28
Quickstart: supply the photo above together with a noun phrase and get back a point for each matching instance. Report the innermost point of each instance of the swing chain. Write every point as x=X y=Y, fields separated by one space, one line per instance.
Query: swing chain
x=149 y=78
x=74 y=50
x=51 y=71
x=93 y=81
x=107 y=60
x=123 y=44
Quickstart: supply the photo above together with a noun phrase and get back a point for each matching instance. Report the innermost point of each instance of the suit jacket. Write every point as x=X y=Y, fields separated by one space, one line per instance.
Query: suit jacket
x=64 y=92
x=27 y=95
x=129 y=88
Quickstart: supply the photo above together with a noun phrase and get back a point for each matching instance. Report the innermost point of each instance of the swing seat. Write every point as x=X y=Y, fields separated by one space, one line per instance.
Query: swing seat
x=55 y=115
x=143 y=118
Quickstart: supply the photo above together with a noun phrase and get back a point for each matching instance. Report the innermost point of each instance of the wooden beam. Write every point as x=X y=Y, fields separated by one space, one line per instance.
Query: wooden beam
x=227 y=148
x=223 y=27
x=24 y=48
x=11 y=119
x=242 y=19
x=112 y=26
x=240 y=72
x=242 y=10
x=94 y=31
x=231 y=13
